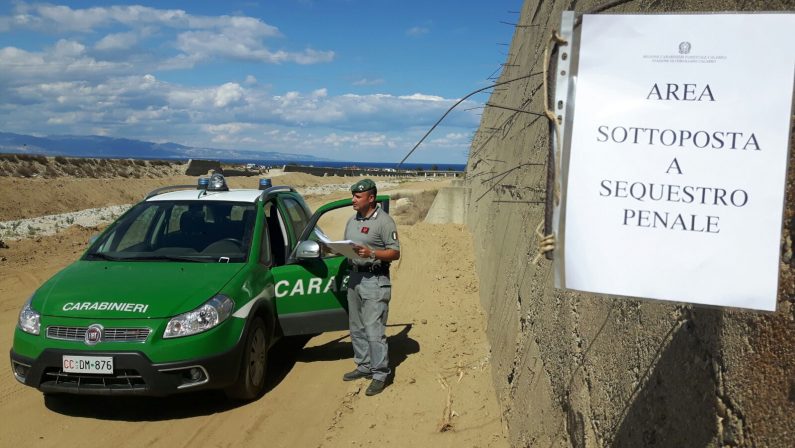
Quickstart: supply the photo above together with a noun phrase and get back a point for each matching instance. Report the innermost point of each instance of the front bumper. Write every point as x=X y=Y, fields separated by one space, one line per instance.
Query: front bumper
x=134 y=373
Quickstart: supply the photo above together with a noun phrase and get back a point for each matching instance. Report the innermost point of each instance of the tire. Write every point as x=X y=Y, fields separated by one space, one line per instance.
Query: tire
x=250 y=383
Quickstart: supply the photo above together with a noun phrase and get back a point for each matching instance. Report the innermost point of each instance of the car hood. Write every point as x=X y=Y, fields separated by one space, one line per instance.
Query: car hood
x=131 y=289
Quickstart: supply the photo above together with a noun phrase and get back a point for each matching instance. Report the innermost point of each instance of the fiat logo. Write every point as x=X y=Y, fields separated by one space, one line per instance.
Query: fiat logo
x=94 y=334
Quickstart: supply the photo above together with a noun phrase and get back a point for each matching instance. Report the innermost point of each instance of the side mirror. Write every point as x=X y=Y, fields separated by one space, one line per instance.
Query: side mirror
x=307 y=250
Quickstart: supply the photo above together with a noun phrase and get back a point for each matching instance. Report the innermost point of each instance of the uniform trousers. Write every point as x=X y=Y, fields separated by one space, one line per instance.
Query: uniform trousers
x=368 y=308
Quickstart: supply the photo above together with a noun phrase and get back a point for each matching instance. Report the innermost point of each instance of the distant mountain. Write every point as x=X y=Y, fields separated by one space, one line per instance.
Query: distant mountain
x=109 y=147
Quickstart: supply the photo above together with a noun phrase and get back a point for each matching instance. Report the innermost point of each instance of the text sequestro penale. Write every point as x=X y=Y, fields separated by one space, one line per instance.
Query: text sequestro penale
x=671 y=221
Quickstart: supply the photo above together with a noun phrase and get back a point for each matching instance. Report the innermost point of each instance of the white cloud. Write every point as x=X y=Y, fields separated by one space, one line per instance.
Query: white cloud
x=146 y=100
x=199 y=38
x=202 y=45
x=250 y=80
x=417 y=31
x=310 y=56
x=117 y=41
x=68 y=49
x=66 y=60
x=227 y=94
x=368 y=82
x=226 y=128
x=362 y=139
x=65 y=18
x=453 y=139
x=421 y=97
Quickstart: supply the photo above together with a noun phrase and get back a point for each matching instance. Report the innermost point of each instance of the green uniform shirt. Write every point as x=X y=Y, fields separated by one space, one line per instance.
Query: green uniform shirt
x=376 y=232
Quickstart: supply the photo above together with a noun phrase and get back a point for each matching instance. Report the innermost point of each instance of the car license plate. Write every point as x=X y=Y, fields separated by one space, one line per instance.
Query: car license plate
x=102 y=365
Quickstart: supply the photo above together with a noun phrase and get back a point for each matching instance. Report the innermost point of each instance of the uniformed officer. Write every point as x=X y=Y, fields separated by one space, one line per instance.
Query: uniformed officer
x=369 y=288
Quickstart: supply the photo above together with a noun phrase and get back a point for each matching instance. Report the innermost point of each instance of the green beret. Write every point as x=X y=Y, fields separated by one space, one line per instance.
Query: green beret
x=362 y=185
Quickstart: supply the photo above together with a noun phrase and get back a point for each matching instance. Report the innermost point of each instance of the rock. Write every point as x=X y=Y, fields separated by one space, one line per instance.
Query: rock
x=424 y=321
x=402 y=204
x=3 y=245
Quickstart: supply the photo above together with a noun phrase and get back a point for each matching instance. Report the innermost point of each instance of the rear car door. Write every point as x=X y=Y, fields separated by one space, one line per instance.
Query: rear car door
x=311 y=294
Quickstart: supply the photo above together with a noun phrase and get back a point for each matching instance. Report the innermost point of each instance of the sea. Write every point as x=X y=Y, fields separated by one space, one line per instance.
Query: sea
x=338 y=164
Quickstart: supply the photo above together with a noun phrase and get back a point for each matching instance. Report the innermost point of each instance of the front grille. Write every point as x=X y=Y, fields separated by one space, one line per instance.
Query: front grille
x=122 y=379
x=125 y=334
x=108 y=334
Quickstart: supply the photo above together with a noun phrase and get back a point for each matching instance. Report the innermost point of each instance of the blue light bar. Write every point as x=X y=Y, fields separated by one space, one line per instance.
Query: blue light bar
x=203 y=183
x=265 y=183
x=217 y=183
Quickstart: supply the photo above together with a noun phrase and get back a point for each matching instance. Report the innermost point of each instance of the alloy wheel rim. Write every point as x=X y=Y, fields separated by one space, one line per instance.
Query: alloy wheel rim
x=257 y=358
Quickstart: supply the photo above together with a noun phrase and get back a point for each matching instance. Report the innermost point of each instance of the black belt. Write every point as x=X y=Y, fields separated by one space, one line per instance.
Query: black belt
x=375 y=269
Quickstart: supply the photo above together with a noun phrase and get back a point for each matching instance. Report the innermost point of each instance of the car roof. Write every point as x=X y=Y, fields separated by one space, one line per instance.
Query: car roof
x=200 y=195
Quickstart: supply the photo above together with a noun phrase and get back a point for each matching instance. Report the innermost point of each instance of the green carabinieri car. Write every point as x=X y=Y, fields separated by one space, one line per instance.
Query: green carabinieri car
x=187 y=290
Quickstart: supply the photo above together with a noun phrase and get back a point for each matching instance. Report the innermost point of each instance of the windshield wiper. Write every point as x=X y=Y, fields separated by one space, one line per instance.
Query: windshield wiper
x=102 y=256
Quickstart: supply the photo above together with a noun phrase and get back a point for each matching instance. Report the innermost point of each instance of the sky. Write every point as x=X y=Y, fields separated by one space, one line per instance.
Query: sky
x=352 y=80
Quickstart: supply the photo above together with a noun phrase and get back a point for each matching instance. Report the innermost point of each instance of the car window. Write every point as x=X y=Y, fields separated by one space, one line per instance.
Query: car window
x=330 y=226
x=137 y=230
x=296 y=214
x=209 y=231
x=265 y=256
x=176 y=213
x=277 y=233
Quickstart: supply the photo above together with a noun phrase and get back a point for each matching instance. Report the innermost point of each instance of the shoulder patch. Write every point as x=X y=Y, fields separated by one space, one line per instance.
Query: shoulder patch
x=394 y=235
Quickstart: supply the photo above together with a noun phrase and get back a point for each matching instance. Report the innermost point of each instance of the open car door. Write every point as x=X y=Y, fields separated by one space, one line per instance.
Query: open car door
x=311 y=288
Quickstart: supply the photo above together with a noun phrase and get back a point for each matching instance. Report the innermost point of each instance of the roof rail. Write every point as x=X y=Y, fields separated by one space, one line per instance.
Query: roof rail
x=265 y=192
x=160 y=190
x=275 y=189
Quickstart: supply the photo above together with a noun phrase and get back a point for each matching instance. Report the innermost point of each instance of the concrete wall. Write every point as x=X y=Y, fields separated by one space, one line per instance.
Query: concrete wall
x=574 y=369
x=329 y=171
x=201 y=167
x=449 y=206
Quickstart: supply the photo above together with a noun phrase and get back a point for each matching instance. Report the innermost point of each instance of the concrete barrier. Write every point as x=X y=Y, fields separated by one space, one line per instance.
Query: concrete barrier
x=450 y=206
x=201 y=167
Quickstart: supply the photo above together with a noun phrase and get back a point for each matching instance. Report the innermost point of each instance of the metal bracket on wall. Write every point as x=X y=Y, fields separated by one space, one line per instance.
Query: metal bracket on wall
x=564 y=109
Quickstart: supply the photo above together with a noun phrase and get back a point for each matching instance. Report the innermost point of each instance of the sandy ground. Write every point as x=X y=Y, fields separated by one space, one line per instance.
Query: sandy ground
x=437 y=342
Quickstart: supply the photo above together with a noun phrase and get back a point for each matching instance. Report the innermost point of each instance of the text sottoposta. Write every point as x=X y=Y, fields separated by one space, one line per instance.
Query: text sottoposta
x=678 y=138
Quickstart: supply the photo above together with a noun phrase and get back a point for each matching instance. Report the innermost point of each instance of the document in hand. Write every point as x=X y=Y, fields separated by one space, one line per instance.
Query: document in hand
x=345 y=248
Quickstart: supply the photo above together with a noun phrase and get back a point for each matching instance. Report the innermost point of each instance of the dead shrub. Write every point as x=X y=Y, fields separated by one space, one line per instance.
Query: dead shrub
x=32 y=158
x=139 y=162
x=80 y=161
x=50 y=172
x=26 y=171
x=102 y=171
x=62 y=160
x=9 y=157
x=71 y=170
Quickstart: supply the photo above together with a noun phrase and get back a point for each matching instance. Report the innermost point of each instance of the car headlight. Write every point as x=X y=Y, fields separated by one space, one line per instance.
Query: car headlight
x=207 y=316
x=29 y=320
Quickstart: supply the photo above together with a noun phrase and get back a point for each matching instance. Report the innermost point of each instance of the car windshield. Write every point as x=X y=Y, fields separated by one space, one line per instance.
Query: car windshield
x=179 y=231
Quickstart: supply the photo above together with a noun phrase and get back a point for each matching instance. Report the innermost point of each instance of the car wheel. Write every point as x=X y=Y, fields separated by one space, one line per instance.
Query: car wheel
x=251 y=379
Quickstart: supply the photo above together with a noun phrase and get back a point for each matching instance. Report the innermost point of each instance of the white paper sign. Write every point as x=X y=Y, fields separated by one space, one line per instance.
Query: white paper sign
x=678 y=157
